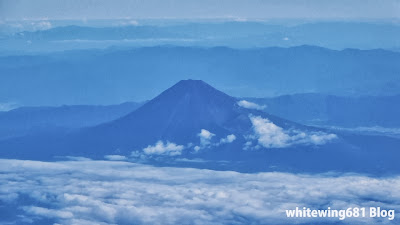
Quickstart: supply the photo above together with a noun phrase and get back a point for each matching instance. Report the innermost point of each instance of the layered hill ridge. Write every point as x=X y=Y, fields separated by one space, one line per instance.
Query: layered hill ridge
x=83 y=77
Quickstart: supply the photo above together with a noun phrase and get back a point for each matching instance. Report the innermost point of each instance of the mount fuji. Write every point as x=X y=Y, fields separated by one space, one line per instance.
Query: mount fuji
x=193 y=124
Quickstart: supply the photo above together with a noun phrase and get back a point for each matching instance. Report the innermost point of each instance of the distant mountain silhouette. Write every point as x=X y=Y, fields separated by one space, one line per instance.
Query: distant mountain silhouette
x=330 y=110
x=336 y=35
x=194 y=120
x=140 y=74
x=26 y=120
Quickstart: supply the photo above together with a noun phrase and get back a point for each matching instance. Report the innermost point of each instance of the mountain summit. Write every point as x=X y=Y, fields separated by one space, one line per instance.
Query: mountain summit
x=194 y=124
x=193 y=119
x=187 y=106
x=178 y=115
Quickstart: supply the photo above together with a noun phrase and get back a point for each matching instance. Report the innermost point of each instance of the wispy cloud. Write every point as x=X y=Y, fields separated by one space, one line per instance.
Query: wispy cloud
x=8 y=106
x=250 y=105
x=28 y=25
x=115 y=157
x=373 y=129
x=128 y=23
x=110 y=192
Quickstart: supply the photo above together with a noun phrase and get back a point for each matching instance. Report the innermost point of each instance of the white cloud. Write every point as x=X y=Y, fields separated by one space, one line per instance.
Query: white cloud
x=229 y=139
x=172 y=149
x=321 y=138
x=205 y=137
x=206 y=134
x=110 y=192
x=205 y=140
x=169 y=148
x=270 y=135
x=247 y=145
x=251 y=105
x=115 y=157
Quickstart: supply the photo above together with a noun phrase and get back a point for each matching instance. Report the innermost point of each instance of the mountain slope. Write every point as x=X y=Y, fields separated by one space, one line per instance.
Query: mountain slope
x=178 y=115
x=193 y=124
x=25 y=120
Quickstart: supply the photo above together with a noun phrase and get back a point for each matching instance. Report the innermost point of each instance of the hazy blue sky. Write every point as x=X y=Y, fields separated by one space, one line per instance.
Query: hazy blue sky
x=237 y=9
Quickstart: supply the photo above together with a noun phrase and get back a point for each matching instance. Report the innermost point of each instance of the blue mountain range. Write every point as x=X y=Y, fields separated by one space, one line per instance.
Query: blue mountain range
x=335 y=35
x=193 y=124
x=121 y=75
x=330 y=110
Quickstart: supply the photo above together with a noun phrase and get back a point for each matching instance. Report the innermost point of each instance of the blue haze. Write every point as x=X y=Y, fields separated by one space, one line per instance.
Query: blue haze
x=288 y=104
x=114 y=76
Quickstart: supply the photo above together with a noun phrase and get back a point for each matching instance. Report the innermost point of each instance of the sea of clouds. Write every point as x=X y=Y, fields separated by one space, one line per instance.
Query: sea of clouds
x=116 y=192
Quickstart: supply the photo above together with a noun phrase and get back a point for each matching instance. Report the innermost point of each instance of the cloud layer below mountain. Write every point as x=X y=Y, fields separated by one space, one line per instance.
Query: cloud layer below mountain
x=111 y=192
